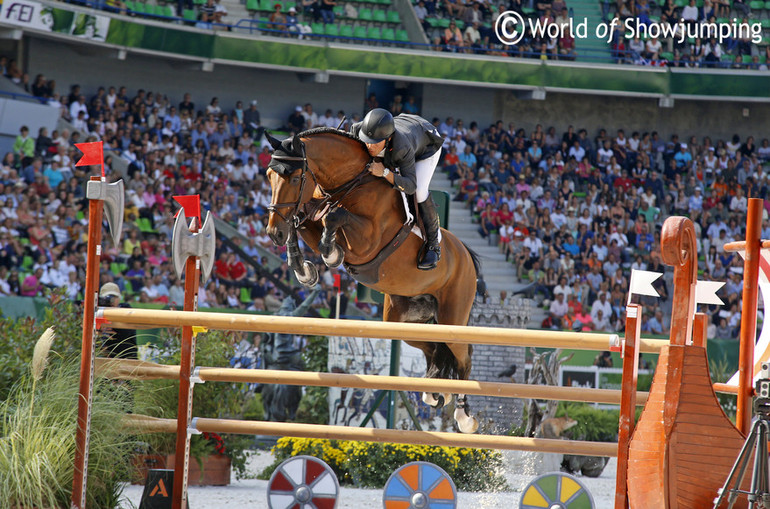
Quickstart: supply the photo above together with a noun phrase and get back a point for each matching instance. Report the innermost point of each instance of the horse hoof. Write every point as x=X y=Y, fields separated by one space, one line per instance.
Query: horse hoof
x=309 y=277
x=466 y=423
x=435 y=400
x=334 y=258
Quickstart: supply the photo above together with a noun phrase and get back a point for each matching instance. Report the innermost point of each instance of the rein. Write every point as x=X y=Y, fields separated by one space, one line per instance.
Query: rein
x=330 y=199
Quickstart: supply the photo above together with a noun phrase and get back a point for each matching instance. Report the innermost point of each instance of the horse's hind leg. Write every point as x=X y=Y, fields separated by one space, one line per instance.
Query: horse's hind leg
x=455 y=311
x=397 y=309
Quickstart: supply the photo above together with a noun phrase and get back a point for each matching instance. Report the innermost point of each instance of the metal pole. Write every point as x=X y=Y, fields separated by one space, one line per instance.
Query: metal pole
x=395 y=365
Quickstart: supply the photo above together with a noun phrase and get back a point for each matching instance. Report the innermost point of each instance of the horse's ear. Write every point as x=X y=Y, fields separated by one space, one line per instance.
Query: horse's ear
x=275 y=143
x=296 y=145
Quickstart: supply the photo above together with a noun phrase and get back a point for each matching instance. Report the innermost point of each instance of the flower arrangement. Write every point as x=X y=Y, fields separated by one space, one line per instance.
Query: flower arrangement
x=370 y=464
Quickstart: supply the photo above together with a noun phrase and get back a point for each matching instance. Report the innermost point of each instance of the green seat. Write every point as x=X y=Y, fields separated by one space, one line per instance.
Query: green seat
x=388 y=34
x=317 y=28
x=460 y=24
x=402 y=35
x=245 y=295
x=339 y=11
x=266 y=5
x=762 y=59
x=130 y=6
x=666 y=55
x=393 y=17
x=140 y=7
x=767 y=5
x=128 y=287
x=365 y=14
x=373 y=33
x=289 y=5
x=27 y=262
x=188 y=14
x=379 y=16
x=385 y=2
x=359 y=32
x=728 y=58
x=332 y=30
x=168 y=11
x=432 y=22
x=346 y=31
x=528 y=11
x=765 y=23
x=757 y=5
x=252 y=5
x=443 y=23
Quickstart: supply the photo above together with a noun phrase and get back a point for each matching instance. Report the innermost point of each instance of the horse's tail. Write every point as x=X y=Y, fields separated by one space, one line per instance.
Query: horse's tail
x=475 y=258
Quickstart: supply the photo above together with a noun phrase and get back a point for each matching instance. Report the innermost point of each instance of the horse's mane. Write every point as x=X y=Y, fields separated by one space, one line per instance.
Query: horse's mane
x=331 y=130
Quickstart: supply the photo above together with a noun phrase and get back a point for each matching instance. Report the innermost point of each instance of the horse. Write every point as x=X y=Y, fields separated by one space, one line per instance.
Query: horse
x=321 y=189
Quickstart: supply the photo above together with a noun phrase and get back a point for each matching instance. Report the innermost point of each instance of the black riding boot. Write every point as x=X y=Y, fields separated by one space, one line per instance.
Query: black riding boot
x=432 y=251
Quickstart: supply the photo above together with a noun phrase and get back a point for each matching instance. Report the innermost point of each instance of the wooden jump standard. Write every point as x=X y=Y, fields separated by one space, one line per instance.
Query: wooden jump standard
x=126 y=369
x=150 y=424
x=129 y=318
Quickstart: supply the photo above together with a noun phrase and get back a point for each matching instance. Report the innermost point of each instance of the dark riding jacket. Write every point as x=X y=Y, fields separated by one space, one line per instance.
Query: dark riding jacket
x=415 y=139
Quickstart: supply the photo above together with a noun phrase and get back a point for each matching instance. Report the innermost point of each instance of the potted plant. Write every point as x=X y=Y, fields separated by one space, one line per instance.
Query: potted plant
x=212 y=456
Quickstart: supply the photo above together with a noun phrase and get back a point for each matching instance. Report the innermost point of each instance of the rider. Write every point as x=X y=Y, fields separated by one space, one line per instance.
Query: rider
x=411 y=145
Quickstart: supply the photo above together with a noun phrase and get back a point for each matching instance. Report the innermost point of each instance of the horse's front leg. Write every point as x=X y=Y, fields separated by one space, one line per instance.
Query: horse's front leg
x=306 y=272
x=331 y=252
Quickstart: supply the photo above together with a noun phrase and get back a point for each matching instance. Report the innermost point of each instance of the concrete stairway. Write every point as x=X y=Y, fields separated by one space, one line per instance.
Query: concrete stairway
x=498 y=274
x=590 y=48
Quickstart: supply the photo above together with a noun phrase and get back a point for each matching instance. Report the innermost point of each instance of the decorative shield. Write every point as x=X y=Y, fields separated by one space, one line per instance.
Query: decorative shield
x=556 y=490
x=420 y=485
x=303 y=482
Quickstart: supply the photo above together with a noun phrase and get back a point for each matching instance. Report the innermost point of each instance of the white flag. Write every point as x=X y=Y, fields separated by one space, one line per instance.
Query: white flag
x=706 y=292
x=641 y=283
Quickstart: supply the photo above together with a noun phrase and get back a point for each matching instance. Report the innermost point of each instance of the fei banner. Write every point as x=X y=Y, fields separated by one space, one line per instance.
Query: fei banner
x=33 y=15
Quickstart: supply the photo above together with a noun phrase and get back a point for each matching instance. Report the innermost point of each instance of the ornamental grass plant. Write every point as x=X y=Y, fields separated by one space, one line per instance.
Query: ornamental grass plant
x=370 y=464
x=38 y=421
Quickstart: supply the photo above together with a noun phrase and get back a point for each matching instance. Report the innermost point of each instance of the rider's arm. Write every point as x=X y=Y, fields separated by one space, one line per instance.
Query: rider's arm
x=403 y=159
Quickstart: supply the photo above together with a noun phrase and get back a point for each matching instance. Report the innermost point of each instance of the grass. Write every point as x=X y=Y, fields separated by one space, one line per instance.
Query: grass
x=37 y=437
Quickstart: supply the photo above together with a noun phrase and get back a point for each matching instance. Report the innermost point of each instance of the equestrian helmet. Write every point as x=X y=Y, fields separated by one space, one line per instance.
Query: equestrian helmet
x=377 y=126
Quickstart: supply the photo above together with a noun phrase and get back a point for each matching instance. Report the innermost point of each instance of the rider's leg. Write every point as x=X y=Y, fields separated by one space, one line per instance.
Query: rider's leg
x=427 y=209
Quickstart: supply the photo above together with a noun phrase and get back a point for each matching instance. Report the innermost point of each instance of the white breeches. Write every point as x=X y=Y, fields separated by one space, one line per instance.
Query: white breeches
x=423 y=173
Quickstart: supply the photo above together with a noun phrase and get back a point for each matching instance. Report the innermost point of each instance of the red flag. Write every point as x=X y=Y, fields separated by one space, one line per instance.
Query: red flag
x=191 y=205
x=92 y=153
x=337 y=283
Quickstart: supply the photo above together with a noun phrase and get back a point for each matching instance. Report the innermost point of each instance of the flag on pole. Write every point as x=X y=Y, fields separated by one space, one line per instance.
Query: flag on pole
x=706 y=292
x=93 y=153
x=191 y=205
x=641 y=283
x=337 y=283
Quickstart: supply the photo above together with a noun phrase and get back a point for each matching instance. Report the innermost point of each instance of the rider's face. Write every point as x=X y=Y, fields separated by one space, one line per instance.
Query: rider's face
x=376 y=148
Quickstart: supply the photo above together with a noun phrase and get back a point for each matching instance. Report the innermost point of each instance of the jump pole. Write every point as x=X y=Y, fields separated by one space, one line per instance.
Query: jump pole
x=148 y=424
x=187 y=360
x=120 y=369
x=749 y=315
x=126 y=318
x=85 y=391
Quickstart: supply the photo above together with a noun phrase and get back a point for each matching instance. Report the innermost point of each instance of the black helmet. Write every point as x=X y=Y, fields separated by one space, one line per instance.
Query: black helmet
x=377 y=126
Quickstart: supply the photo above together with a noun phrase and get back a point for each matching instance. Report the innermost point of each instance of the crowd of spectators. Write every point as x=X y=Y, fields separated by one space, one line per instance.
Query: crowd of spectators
x=171 y=148
x=575 y=213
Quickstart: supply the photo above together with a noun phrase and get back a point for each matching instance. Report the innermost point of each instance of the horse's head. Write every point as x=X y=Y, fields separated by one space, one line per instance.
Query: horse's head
x=288 y=175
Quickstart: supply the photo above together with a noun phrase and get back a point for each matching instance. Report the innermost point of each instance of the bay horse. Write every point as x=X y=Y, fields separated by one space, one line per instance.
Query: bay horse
x=321 y=189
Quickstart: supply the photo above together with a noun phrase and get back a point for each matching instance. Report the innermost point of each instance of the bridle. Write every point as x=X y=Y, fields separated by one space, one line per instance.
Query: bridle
x=295 y=220
x=330 y=199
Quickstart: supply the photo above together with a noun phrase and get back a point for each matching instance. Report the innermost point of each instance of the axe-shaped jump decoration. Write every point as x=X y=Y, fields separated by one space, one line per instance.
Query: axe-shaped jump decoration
x=184 y=243
x=114 y=198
